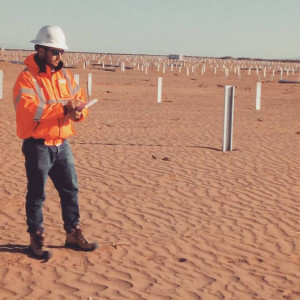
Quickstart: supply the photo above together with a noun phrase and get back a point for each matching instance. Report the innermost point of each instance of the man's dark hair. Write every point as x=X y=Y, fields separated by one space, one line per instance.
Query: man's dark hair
x=42 y=62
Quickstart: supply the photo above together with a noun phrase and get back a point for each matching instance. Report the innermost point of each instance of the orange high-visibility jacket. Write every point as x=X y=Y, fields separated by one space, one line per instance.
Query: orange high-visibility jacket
x=39 y=99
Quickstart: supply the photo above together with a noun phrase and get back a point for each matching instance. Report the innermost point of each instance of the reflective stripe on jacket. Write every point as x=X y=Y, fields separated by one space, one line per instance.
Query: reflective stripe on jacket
x=39 y=99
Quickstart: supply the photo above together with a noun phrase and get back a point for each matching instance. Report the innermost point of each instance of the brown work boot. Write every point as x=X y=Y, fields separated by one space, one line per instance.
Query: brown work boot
x=76 y=240
x=37 y=245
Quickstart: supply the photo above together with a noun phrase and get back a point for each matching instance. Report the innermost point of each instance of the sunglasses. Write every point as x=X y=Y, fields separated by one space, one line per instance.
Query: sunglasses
x=56 y=52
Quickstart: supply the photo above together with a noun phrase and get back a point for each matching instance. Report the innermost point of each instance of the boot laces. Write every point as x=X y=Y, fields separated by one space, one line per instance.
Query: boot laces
x=80 y=236
x=39 y=239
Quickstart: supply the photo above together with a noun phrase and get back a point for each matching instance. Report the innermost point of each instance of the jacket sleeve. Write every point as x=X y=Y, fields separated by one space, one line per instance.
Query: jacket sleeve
x=30 y=103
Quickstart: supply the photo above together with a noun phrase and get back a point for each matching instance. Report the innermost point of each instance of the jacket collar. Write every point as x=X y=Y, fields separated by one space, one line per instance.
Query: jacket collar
x=35 y=66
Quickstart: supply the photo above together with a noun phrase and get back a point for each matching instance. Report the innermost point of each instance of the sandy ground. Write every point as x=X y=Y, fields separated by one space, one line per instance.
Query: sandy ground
x=175 y=217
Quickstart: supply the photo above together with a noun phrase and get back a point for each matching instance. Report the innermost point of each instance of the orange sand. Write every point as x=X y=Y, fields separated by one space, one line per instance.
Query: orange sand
x=175 y=217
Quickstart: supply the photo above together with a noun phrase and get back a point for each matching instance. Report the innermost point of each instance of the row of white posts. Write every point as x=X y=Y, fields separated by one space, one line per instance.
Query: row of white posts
x=237 y=69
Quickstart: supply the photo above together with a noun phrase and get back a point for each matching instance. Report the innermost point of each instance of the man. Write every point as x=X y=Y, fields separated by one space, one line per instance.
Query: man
x=46 y=98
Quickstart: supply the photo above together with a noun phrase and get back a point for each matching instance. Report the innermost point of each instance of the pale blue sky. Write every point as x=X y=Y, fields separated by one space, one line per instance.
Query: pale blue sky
x=238 y=28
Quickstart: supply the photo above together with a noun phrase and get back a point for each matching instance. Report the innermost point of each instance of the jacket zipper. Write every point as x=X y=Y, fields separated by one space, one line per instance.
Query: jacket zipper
x=60 y=129
x=36 y=126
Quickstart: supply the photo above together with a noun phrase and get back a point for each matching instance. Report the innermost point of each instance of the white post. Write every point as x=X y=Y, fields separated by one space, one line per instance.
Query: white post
x=76 y=78
x=159 y=88
x=228 y=118
x=90 y=84
x=258 y=95
x=188 y=71
x=239 y=73
x=1 y=84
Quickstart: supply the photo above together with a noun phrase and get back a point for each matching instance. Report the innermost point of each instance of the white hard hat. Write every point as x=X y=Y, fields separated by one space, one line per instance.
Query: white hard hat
x=51 y=36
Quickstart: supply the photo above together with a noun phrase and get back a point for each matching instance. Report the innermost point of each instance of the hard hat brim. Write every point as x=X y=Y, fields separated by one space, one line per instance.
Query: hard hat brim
x=51 y=45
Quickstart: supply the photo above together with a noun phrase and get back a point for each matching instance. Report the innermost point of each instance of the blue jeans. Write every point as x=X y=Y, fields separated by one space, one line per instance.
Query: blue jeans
x=57 y=162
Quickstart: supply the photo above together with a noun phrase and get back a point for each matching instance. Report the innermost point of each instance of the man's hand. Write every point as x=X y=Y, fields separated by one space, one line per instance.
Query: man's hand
x=71 y=105
x=68 y=107
x=75 y=114
x=71 y=109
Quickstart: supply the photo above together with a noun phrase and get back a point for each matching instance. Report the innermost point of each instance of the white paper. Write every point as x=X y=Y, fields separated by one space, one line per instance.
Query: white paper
x=87 y=104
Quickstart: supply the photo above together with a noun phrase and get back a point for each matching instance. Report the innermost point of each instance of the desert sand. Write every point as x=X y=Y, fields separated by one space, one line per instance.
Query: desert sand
x=174 y=215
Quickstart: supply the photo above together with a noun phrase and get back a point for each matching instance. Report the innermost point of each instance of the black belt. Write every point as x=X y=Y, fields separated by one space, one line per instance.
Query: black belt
x=36 y=141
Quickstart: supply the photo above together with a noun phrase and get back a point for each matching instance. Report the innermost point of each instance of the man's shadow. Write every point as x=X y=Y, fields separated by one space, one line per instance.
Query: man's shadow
x=23 y=249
